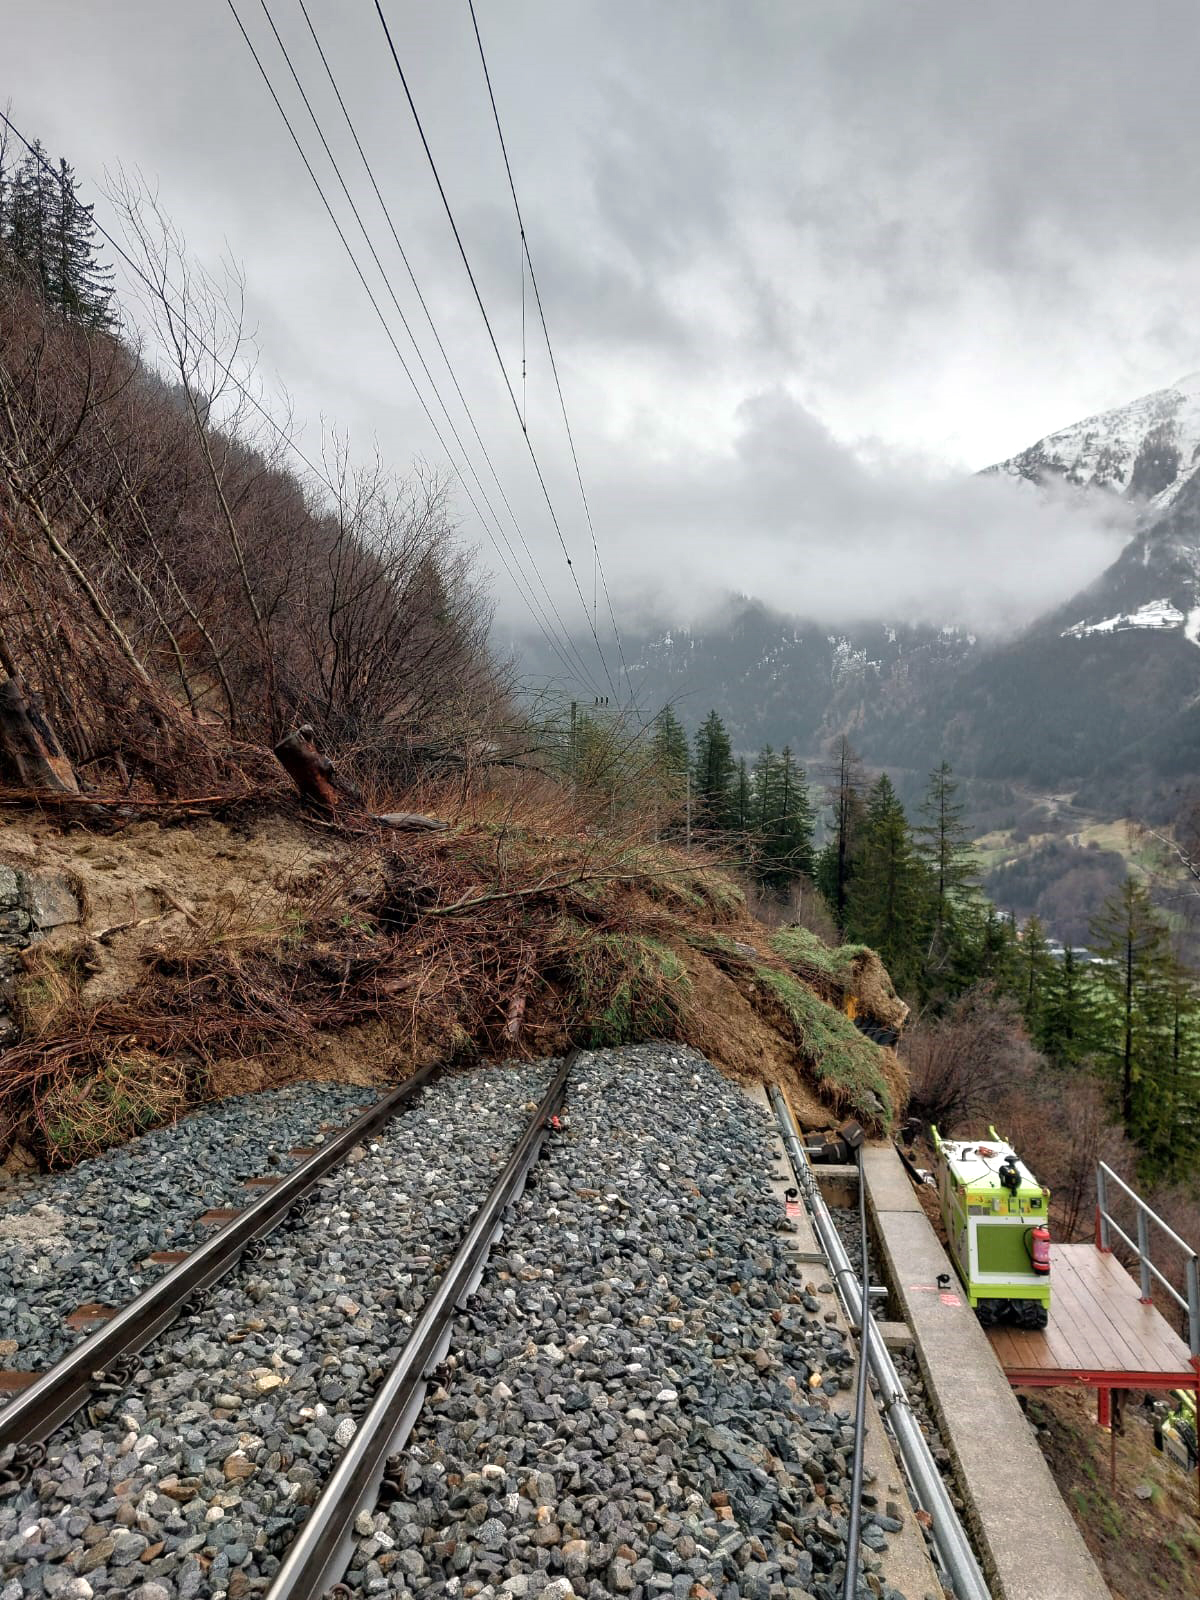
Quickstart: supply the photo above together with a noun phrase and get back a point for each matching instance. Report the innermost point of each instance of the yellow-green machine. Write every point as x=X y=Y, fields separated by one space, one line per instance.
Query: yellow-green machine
x=995 y=1213
x=1175 y=1430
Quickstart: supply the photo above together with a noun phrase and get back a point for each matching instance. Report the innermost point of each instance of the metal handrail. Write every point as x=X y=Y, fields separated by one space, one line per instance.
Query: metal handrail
x=1107 y=1225
x=949 y=1535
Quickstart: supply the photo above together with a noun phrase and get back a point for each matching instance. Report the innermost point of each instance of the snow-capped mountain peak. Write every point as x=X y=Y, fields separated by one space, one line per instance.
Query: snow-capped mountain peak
x=1144 y=451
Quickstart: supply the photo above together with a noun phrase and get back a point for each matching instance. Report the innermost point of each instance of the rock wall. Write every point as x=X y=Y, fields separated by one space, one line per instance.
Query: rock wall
x=33 y=903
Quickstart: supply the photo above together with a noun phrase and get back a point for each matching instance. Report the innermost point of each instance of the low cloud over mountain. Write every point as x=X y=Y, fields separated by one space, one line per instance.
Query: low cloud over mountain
x=848 y=533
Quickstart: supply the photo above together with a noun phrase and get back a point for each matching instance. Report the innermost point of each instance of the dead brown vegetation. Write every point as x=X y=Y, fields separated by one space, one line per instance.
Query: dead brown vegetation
x=427 y=945
x=175 y=597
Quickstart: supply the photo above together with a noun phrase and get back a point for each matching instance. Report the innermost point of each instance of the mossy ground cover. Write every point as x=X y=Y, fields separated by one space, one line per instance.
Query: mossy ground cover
x=849 y=1069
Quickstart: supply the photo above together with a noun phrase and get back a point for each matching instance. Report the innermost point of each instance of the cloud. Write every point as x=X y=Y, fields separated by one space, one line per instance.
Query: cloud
x=821 y=530
x=803 y=266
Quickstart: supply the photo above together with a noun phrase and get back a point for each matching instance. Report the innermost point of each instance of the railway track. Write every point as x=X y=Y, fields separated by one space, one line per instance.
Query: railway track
x=614 y=1404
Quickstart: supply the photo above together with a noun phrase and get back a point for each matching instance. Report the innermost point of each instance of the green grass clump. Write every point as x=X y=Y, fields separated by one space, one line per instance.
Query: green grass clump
x=123 y=1098
x=801 y=948
x=845 y=1062
x=724 y=896
x=625 y=987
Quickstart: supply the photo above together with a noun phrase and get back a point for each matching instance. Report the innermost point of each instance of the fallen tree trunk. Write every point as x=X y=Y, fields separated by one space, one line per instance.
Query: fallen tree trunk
x=321 y=787
x=29 y=743
x=410 y=822
x=309 y=770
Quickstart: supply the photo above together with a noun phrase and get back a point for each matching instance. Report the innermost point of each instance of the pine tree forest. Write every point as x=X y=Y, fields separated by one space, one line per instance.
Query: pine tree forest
x=1124 y=1013
x=47 y=236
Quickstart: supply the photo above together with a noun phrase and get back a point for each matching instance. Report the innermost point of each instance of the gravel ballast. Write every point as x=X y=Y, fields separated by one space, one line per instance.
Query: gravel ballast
x=84 y=1235
x=646 y=1399
x=192 y=1482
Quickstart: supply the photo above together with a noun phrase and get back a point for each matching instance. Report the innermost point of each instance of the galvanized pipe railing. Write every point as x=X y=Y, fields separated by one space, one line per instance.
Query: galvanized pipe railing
x=949 y=1536
x=1106 y=1226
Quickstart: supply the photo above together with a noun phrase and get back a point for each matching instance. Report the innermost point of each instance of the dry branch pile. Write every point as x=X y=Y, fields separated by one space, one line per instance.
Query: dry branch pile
x=493 y=938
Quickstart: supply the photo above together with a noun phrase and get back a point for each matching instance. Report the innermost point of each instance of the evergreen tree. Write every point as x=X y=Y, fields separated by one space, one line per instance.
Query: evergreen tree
x=835 y=866
x=781 y=810
x=670 y=751
x=1136 y=972
x=670 y=761
x=712 y=773
x=1170 y=1117
x=884 y=893
x=944 y=843
x=981 y=947
x=50 y=235
x=1065 y=1029
x=743 y=799
x=1036 y=969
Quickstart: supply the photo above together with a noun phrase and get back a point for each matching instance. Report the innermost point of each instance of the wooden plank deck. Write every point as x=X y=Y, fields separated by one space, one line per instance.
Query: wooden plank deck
x=1100 y=1333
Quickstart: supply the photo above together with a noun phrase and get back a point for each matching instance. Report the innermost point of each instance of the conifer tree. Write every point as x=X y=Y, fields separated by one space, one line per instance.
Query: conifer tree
x=1065 y=1029
x=742 y=806
x=1135 y=972
x=50 y=235
x=1036 y=968
x=782 y=815
x=884 y=893
x=835 y=866
x=944 y=843
x=1169 y=1129
x=670 y=750
x=712 y=773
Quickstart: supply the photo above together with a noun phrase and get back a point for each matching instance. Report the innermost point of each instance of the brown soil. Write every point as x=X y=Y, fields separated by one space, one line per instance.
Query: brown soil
x=368 y=1055
x=733 y=1034
x=212 y=879
x=220 y=957
x=1144 y=1547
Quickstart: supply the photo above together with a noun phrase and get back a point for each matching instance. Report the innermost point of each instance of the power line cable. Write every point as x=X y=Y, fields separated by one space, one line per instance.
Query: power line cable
x=491 y=335
x=362 y=276
x=528 y=259
x=424 y=307
x=226 y=368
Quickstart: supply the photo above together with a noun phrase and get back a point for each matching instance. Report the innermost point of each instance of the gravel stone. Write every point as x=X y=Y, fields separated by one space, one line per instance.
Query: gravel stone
x=224 y=1486
x=657 y=1401
x=641 y=1399
x=72 y=1237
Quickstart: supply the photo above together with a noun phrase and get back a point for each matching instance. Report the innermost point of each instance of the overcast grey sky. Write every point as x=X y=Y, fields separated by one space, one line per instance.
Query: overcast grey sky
x=804 y=263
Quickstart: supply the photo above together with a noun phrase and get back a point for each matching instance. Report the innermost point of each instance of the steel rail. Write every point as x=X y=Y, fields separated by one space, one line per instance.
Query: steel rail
x=949 y=1536
x=321 y=1551
x=29 y=1419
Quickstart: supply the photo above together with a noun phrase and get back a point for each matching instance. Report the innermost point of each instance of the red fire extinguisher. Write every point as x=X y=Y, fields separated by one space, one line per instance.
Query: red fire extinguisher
x=1039 y=1249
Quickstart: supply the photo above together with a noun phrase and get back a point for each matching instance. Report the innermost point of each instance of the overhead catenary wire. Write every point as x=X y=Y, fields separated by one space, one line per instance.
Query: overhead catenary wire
x=370 y=293
x=492 y=337
x=226 y=368
x=387 y=215
x=527 y=259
